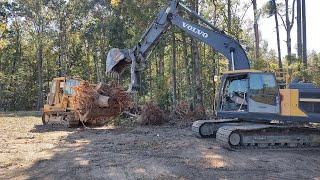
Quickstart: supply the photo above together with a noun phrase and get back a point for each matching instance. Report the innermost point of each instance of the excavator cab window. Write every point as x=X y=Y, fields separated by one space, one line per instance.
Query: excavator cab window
x=263 y=94
x=250 y=92
x=52 y=92
x=61 y=90
x=235 y=94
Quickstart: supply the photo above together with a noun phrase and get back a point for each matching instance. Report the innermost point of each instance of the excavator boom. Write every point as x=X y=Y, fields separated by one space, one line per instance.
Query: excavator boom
x=119 y=59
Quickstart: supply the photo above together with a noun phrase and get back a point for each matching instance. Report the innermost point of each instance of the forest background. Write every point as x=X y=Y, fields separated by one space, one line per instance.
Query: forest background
x=43 y=39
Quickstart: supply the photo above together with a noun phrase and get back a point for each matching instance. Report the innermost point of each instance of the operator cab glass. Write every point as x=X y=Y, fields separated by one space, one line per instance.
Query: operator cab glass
x=234 y=94
x=52 y=92
x=70 y=83
x=264 y=93
x=249 y=92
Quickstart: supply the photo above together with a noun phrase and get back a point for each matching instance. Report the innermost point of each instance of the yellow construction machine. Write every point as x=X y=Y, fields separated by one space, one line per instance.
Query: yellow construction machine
x=60 y=110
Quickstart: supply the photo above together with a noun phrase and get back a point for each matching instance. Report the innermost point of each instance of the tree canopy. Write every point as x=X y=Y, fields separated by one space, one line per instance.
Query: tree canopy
x=43 y=39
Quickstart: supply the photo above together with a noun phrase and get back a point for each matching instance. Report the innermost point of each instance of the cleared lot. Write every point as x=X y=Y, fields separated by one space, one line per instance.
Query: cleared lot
x=29 y=150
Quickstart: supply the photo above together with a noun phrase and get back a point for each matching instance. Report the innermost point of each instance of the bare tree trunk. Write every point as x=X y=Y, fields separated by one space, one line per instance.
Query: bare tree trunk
x=96 y=65
x=39 y=60
x=39 y=37
x=103 y=54
x=256 y=29
x=299 y=32
x=88 y=60
x=157 y=62
x=229 y=16
x=161 y=63
x=288 y=33
x=150 y=79
x=278 y=36
x=194 y=69
x=196 y=77
x=186 y=66
x=17 y=54
x=62 y=45
x=173 y=72
x=304 y=22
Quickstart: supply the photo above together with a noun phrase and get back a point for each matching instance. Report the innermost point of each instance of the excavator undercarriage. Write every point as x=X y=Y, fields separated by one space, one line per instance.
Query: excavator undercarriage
x=235 y=134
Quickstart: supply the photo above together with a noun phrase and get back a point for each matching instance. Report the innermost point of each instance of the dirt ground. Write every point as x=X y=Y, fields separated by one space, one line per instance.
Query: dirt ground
x=29 y=150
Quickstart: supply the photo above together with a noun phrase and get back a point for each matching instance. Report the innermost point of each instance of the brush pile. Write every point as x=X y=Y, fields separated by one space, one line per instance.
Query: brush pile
x=152 y=114
x=116 y=93
x=184 y=112
x=99 y=103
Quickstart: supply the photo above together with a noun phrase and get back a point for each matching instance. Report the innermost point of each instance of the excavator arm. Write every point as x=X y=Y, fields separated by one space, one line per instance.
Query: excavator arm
x=119 y=59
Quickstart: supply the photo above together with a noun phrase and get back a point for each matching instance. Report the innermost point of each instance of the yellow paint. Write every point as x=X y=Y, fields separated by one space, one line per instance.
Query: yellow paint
x=290 y=103
x=61 y=101
x=285 y=102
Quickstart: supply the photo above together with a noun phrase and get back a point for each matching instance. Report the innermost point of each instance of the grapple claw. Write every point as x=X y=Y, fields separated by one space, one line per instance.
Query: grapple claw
x=118 y=60
x=133 y=88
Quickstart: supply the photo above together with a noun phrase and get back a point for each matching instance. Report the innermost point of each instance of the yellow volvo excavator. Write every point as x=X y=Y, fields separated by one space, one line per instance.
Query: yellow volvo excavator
x=252 y=111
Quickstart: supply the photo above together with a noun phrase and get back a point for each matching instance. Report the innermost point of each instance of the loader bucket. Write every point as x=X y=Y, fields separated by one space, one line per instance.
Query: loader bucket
x=117 y=60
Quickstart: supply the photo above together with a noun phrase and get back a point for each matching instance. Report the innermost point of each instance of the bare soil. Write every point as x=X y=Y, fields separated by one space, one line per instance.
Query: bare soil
x=29 y=150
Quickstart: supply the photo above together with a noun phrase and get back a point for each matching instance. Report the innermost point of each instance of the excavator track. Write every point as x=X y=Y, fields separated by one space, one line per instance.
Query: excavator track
x=260 y=136
x=58 y=118
x=208 y=128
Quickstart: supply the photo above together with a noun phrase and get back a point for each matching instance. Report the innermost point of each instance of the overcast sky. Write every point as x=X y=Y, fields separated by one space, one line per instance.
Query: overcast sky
x=267 y=28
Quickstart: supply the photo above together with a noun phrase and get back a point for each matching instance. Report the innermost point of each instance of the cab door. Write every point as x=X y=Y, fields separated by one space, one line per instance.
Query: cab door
x=263 y=96
x=52 y=93
x=56 y=92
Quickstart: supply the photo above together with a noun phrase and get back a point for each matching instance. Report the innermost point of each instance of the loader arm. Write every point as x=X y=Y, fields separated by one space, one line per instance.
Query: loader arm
x=119 y=59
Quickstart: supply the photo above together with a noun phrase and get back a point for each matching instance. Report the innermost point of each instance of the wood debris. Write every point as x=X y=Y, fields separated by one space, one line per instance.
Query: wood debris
x=152 y=115
x=101 y=102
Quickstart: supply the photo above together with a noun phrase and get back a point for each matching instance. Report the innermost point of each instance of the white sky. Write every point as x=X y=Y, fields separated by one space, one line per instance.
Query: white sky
x=268 y=32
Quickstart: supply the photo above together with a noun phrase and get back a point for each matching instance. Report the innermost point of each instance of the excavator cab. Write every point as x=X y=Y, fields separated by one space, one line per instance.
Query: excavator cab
x=248 y=92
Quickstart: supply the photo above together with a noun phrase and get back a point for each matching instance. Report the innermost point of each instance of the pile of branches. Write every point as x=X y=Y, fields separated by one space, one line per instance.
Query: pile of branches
x=184 y=112
x=84 y=99
x=116 y=93
x=152 y=114
x=87 y=98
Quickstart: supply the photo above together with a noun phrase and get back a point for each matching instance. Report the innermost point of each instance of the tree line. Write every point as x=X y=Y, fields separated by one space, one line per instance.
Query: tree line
x=43 y=39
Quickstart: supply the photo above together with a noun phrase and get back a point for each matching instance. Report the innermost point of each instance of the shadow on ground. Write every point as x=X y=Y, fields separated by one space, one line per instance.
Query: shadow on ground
x=160 y=153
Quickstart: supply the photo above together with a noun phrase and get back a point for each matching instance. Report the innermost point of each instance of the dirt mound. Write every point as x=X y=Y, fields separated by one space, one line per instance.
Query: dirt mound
x=152 y=114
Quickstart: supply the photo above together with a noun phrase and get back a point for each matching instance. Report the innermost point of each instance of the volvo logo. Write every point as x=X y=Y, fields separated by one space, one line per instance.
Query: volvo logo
x=195 y=30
